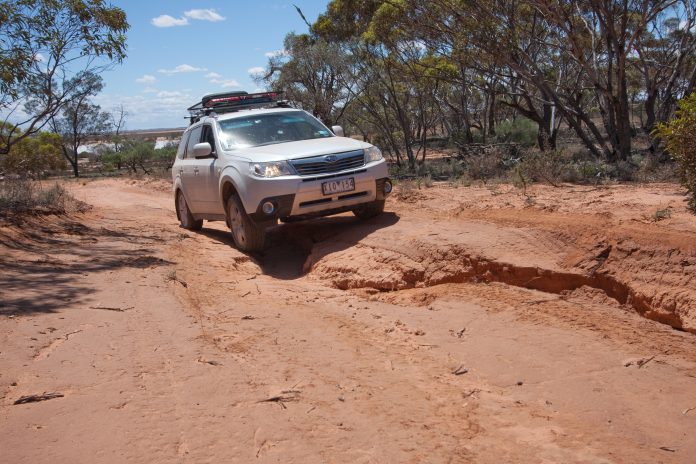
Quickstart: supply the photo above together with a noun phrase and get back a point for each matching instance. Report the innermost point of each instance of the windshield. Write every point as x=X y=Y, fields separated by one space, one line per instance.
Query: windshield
x=267 y=129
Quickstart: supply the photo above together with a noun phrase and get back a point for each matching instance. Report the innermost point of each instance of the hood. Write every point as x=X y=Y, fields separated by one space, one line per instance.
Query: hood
x=300 y=149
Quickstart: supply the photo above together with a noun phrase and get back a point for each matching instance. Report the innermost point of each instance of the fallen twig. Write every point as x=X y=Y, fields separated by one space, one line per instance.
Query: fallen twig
x=67 y=335
x=460 y=370
x=643 y=362
x=470 y=393
x=248 y=318
x=211 y=362
x=460 y=334
x=37 y=398
x=688 y=410
x=280 y=399
x=667 y=448
x=285 y=396
x=112 y=308
x=247 y=293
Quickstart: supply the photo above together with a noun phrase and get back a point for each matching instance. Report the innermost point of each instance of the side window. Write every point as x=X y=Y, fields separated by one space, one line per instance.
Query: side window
x=208 y=136
x=194 y=138
x=182 y=146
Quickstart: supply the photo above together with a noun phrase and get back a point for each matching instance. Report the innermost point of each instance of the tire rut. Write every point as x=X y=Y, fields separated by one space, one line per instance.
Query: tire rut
x=426 y=265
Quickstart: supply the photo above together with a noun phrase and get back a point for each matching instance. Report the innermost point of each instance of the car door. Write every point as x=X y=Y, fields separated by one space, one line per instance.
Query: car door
x=208 y=175
x=188 y=171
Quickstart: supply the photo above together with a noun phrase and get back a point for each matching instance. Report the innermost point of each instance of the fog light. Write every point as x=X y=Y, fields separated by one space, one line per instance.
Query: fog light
x=268 y=208
x=387 y=187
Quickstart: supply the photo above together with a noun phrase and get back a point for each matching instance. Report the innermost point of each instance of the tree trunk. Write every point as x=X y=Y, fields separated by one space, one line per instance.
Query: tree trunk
x=546 y=137
x=72 y=160
x=491 y=114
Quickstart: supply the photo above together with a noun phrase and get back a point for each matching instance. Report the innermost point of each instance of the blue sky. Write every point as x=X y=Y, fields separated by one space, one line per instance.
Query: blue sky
x=180 y=50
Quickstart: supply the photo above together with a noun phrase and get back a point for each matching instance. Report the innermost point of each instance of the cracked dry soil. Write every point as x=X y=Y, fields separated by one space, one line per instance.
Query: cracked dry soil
x=464 y=325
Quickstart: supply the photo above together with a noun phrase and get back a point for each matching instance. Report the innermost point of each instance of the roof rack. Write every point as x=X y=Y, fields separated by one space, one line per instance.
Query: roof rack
x=233 y=101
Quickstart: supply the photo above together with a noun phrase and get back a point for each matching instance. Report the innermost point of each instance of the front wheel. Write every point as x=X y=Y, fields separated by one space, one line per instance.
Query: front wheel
x=370 y=210
x=248 y=235
x=186 y=219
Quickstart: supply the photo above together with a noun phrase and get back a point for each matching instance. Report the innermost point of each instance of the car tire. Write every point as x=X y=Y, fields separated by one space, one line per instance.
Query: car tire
x=370 y=210
x=186 y=219
x=247 y=234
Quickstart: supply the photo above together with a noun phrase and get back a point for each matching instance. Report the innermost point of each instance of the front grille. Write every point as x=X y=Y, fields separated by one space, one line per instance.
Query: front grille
x=329 y=200
x=329 y=163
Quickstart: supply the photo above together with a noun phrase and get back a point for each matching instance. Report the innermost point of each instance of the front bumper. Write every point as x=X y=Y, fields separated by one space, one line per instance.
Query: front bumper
x=309 y=200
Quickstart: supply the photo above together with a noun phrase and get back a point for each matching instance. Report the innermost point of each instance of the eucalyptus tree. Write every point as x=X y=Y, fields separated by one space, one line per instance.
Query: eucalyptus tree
x=665 y=58
x=391 y=85
x=79 y=117
x=46 y=47
x=314 y=73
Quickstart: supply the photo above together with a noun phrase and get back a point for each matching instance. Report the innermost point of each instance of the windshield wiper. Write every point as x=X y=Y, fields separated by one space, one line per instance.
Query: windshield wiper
x=273 y=142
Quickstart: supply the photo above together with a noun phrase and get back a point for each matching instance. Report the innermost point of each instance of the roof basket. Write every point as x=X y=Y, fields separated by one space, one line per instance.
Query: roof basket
x=233 y=101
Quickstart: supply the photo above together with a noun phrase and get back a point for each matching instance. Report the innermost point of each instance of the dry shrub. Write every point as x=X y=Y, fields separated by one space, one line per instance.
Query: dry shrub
x=408 y=191
x=486 y=162
x=545 y=166
x=20 y=197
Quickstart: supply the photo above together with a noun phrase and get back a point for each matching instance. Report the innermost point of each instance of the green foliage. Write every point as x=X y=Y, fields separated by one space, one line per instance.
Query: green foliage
x=680 y=139
x=165 y=154
x=111 y=160
x=32 y=157
x=28 y=26
x=136 y=154
x=43 y=44
x=518 y=130
x=313 y=74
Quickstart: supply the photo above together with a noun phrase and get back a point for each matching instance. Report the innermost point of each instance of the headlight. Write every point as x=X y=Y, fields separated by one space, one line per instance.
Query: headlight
x=274 y=169
x=372 y=154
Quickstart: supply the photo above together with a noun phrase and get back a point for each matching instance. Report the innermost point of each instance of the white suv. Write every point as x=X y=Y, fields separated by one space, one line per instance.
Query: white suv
x=251 y=160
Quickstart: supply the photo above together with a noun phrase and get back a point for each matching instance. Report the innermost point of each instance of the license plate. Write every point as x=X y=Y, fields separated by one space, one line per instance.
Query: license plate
x=338 y=186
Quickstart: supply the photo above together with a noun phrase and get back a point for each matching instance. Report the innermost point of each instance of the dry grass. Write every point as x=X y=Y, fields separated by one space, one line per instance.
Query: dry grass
x=20 y=197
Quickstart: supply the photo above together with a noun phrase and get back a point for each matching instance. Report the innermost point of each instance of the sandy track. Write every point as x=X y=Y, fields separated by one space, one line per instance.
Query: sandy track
x=339 y=342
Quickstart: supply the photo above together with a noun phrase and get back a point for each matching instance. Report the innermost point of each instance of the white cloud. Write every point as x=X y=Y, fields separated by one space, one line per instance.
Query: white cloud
x=39 y=57
x=204 y=15
x=165 y=94
x=182 y=68
x=168 y=21
x=225 y=83
x=146 y=79
x=256 y=70
x=230 y=83
x=199 y=14
x=275 y=53
x=215 y=78
x=149 y=90
x=165 y=109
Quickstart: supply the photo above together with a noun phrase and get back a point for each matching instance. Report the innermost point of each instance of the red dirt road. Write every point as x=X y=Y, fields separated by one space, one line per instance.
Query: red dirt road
x=566 y=314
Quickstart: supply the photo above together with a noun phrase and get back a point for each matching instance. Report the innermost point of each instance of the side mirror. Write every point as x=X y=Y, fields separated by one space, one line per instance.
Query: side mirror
x=338 y=130
x=202 y=150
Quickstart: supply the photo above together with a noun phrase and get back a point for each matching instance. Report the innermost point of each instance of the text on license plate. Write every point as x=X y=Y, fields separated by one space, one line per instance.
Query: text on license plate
x=338 y=186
